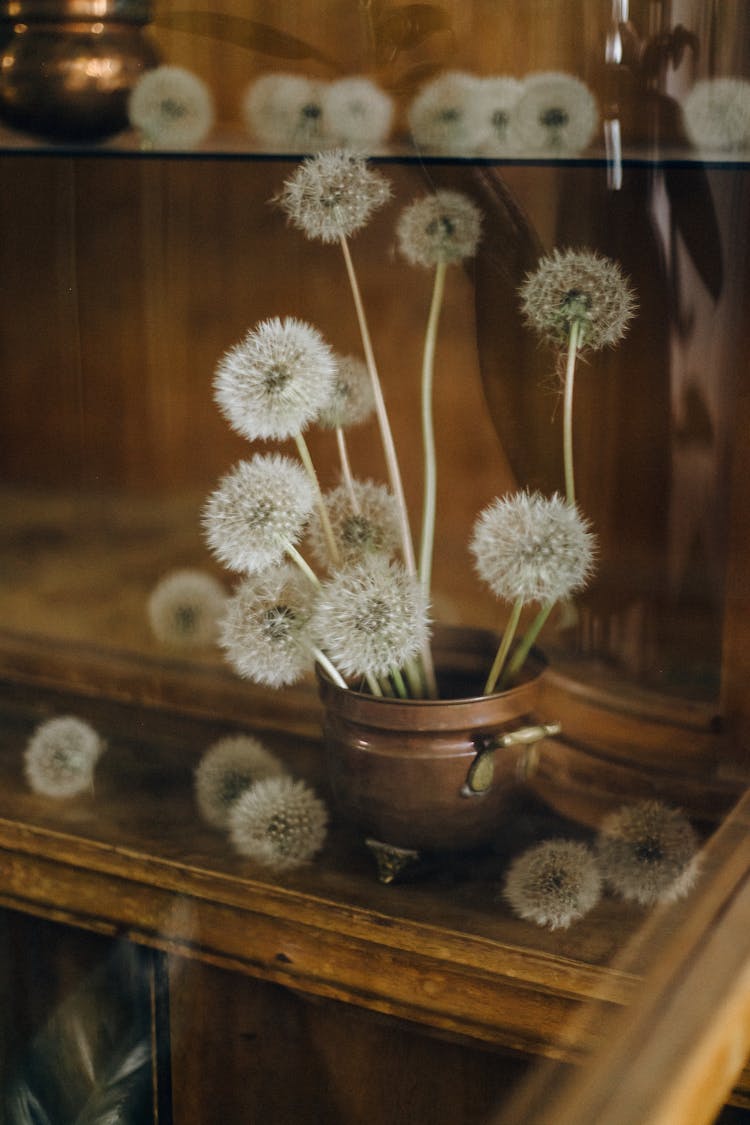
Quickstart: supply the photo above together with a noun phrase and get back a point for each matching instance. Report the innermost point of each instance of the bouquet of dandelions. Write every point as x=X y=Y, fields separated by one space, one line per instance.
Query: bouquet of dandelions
x=361 y=608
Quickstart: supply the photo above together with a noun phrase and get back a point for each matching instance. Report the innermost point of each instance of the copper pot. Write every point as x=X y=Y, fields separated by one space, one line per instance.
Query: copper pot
x=68 y=66
x=433 y=774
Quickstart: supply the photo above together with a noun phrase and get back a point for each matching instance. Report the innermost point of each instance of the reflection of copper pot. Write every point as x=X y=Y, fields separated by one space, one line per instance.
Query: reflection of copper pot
x=68 y=67
x=433 y=774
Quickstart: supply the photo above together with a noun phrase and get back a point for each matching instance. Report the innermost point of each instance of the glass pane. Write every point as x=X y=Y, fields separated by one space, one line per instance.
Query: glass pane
x=135 y=264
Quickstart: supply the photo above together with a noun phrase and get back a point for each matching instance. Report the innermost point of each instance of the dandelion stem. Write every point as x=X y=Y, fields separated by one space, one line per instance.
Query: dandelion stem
x=415 y=678
x=570 y=491
x=346 y=471
x=504 y=647
x=389 y=448
x=386 y=434
x=307 y=461
x=328 y=667
x=306 y=569
x=428 y=430
x=519 y=656
x=398 y=681
x=373 y=684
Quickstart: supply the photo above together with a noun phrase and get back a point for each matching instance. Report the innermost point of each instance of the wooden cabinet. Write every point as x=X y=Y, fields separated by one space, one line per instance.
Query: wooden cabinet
x=322 y=994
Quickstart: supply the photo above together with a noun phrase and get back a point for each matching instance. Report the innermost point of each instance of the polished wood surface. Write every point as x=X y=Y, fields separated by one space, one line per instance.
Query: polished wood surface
x=683 y=1042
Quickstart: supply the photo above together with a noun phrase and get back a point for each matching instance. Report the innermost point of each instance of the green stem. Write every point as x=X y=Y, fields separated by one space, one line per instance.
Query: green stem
x=507 y=639
x=398 y=681
x=524 y=648
x=570 y=490
x=307 y=461
x=305 y=567
x=330 y=668
x=389 y=448
x=428 y=431
x=373 y=684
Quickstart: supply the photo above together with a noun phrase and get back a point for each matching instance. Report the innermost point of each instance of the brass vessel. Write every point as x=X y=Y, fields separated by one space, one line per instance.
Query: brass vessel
x=434 y=775
x=68 y=66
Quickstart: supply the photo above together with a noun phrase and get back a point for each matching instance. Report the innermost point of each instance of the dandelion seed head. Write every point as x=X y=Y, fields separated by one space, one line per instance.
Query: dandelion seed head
x=553 y=883
x=276 y=381
x=578 y=286
x=371 y=618
x=556 y=114
x=373 y=528
x=259 y=509
x=60 y=757
x=285 y=110
x=172 y=107
x=358 y=114
x=352 y=400
x=441 y=118
x=443 y=227
x=279 y=823
x=648 y=852
x=264 y=629
x=492 y=113
x=533 y=548
x=716 y=113
x=226 y=770
x=333 y=195
x=184 y=608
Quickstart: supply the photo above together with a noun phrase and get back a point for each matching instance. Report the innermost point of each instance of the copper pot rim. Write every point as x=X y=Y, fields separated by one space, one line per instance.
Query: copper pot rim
x=477 y=644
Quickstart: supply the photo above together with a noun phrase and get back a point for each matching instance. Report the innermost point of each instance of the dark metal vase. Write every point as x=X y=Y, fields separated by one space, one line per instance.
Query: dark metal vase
x=433 y=774
x=68 y=66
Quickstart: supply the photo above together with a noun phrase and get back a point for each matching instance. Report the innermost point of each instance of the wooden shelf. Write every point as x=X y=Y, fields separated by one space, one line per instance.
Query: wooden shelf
x=443 y=951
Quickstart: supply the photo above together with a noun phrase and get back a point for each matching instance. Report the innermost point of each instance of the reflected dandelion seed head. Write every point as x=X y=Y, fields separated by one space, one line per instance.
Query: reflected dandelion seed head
x=553 y=883
x=171 y=107
x=648 y=852
x=60 y=757
x=279 y=823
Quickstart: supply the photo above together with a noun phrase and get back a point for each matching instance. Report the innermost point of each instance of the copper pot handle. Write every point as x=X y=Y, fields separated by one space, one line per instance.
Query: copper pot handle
x=482 y=769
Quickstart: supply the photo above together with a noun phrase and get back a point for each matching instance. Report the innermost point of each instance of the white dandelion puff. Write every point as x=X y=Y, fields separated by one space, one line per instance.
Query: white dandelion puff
x=716 y=114
x=279 y=823
x=352 y=400
x=184 y=608
x=60 y=757
x=172 y=108
x=441 y=118
x=264 y=630
x=333 y=195
x=531 y=548
x=226 y=770
x=285 y=110
x=492 y=115
x=361 y=527
x=648 y=852
x=276 y=381
x=553 y=883
x=442 y=227
x=357 y=113
x=578 y=287
x=371 y=618
x=258 y=512
x=556 y=114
